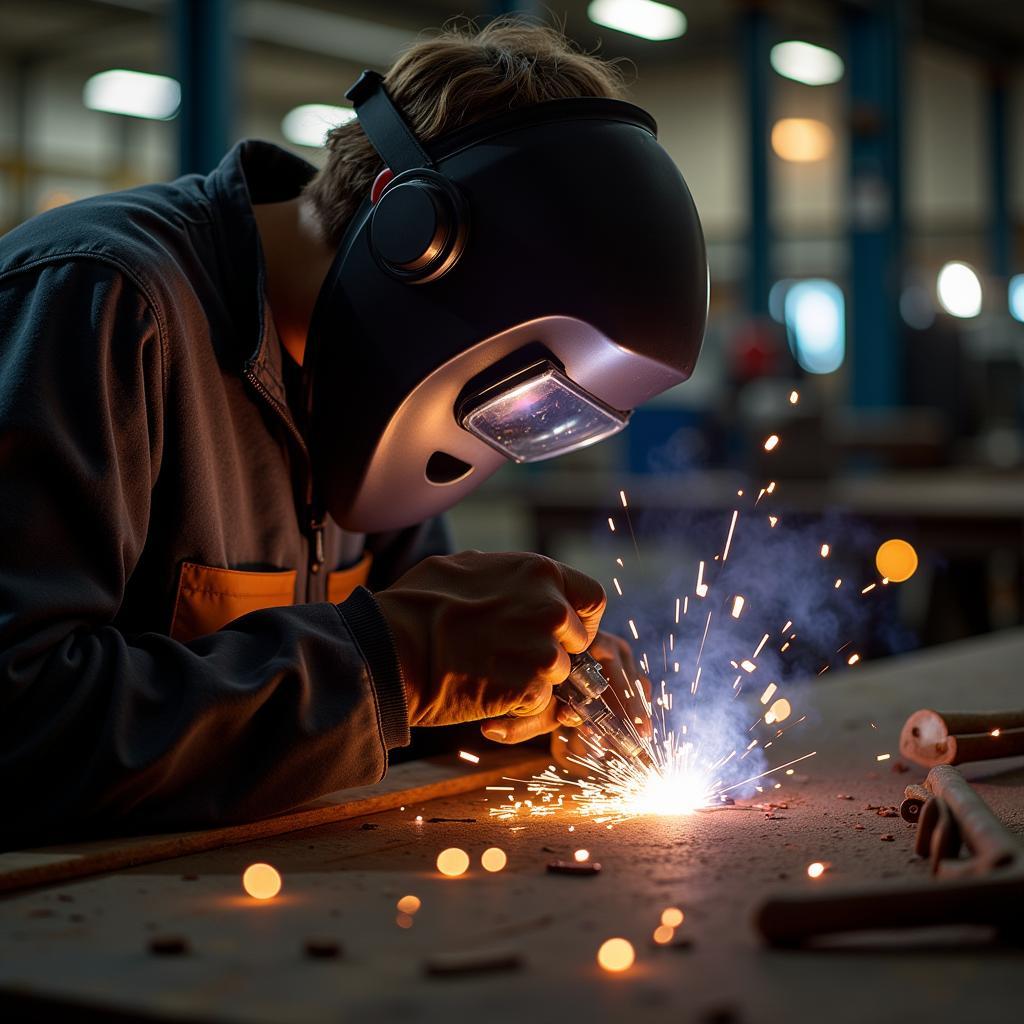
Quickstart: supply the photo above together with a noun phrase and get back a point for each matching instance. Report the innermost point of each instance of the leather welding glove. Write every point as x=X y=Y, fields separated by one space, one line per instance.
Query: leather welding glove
x=482 y=636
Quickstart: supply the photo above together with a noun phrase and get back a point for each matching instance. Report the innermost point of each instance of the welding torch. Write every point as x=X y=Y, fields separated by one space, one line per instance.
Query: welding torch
x=583 y=693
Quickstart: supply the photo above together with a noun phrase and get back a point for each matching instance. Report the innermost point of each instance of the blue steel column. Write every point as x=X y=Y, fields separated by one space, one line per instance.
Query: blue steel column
x=875 y=34
x=756 y=30
x=206 y=70
x=1001 y=223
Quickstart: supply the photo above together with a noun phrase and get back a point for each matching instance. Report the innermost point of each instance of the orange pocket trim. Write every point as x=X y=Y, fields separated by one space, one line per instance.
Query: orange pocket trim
x=341 y=583
x=210 y=598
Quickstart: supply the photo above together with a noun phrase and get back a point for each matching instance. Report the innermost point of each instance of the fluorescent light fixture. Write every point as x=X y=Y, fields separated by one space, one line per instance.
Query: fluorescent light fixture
x=801 y=140
x=959 y=290
x=643 y=18
x=309 y=124
x=807 y=63
x=133 y=93
x=816 y=322
x=1015 y=293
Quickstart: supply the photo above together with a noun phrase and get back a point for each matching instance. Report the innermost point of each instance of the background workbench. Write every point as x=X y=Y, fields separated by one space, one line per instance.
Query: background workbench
x=87 y=942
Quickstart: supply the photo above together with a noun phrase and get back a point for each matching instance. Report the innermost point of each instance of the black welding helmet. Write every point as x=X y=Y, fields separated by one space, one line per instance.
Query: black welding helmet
x=518 y=288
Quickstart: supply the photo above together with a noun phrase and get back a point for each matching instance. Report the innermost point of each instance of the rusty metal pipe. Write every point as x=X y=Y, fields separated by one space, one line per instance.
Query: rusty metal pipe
x=794 y=920
x=931 y=738
x=990 y=843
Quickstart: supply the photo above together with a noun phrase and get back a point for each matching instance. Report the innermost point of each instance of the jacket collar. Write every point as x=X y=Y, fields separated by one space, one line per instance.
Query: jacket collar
x=252 y=172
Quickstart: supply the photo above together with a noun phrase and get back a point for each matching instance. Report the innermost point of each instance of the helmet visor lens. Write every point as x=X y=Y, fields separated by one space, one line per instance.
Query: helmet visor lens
x=542 y=416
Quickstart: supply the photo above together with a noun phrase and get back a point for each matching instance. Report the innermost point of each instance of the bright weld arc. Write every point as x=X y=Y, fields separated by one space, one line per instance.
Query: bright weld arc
x=677 y=779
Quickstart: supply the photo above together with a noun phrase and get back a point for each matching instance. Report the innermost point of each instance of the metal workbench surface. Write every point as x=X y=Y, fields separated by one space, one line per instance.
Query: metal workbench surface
x=88 y=942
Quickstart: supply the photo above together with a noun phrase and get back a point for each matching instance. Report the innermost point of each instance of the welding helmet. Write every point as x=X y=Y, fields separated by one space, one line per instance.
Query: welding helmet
x=517 y=289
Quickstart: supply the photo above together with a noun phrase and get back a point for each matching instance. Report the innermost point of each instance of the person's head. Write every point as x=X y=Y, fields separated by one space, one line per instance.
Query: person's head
x=453 y=79
x=529 y=271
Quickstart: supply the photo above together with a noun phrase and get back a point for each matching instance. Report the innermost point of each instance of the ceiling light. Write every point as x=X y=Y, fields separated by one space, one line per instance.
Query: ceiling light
x=133 y=93
x=801 y=140
x=807 y=63
x=643 y=18
x=959 y=290
x=309 y=124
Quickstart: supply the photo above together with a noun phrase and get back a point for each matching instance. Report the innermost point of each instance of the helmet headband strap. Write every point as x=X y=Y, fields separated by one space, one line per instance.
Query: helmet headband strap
x=384 y=125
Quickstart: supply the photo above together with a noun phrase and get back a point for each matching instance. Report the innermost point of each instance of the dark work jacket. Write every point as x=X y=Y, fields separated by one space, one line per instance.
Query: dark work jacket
x=146 y=446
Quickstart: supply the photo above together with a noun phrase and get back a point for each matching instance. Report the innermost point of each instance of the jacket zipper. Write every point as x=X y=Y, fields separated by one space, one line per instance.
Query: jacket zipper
x=314 y=525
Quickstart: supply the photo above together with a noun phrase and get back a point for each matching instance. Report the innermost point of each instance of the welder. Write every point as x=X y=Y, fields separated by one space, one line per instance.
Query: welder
x=233 y=408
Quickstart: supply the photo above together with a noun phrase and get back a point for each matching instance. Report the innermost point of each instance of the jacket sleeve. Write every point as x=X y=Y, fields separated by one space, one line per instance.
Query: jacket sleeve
x=100 y=730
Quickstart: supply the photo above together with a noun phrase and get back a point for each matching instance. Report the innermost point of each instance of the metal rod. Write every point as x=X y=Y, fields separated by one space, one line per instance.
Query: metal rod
x=980 y=829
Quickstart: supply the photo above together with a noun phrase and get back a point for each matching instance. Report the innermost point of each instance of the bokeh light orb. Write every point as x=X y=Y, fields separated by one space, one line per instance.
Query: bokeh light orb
x=261 y=881
x=409 y=904
x=453 y=862
x=959 y=290
x=896 y=560
x=616 y=955
x=493 y=859
x=672 y=917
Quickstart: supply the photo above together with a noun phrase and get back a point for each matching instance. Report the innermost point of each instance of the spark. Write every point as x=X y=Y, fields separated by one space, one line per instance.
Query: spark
x=617 y=587
x=632 y=629
x=747 y=665
x=771 y=443
x=467 y=756
x=677 y=611
x=770 y=489
x=839 y=583
x=611 y=524
x=815 y=870
x=883 y=757
x=581 y=856
x=794 y=397
x=622 y=498
x=825 y=550
x=760 y=646
x=853 y=659
x=994 y=732
x=768 y=693
x=772 y=520
x=732 y=528
x=737 y=606
x=702 y=587
x=868 y=588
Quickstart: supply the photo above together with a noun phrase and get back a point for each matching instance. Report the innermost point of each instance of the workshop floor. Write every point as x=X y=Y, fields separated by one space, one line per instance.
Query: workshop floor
x=89 y=941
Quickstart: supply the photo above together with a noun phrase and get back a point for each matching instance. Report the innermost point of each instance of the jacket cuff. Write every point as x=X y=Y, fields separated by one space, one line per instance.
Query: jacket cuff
x=364 y=618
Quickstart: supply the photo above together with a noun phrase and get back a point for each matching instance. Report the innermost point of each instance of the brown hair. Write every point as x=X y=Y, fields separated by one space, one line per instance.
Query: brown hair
x=456 y=78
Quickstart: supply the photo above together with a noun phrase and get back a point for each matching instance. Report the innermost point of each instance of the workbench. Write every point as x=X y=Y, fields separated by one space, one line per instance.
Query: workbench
x=86 y=943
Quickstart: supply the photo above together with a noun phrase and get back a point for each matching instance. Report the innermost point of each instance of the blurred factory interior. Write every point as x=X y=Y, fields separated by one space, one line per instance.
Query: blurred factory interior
x=857 y=168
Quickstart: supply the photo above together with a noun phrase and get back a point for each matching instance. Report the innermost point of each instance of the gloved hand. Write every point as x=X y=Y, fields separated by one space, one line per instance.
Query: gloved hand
x=482 y=636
